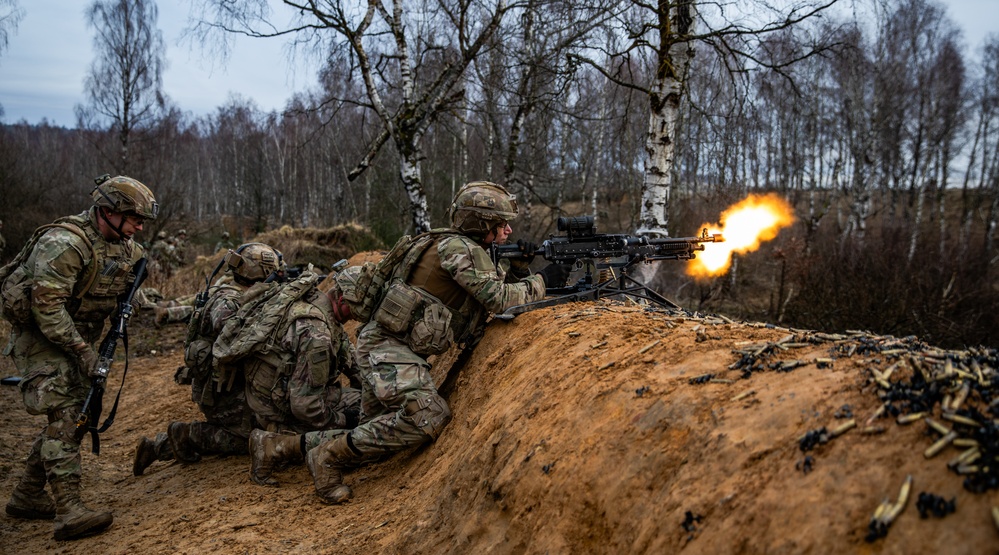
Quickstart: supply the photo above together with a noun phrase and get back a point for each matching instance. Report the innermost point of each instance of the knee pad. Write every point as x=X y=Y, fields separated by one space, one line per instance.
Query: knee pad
x=430 y=414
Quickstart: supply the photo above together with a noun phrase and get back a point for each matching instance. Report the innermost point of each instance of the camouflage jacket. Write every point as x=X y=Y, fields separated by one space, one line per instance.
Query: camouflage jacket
x=223 y=302
x=297 y=383
x=57 y=266
x=462 y=265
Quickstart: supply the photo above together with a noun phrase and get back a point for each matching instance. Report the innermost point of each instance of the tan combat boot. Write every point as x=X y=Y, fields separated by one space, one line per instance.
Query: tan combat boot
x=184 y=448
x=149 y=451
x=73 y=518
x=29 y=499
x=270 y=450
x=160 y=315
x=327 y=463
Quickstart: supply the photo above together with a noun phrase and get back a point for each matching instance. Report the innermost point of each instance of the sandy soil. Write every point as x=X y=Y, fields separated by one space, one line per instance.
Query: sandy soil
x=588 y=428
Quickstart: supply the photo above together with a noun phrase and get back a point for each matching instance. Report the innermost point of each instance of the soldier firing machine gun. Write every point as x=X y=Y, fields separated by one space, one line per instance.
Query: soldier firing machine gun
x=596 y=253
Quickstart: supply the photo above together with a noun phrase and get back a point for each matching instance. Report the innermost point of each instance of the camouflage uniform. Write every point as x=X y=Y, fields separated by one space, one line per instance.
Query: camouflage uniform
x=225 y=243
x=295 y=386
x=400 y=406
x=228 y=419
x=159 y=254
x=52 y=347
x=439 y=293
x=174 y=311
x=179 y=250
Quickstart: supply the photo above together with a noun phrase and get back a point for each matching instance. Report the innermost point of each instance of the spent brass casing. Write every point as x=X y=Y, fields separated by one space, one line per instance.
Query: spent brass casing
x=958 y=419
x=843 y=428
x=744 y=394
x=910 y=418
x=939 y=445
x=937 y=427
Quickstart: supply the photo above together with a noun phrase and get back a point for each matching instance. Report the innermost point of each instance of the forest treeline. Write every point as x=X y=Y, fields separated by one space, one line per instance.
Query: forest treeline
x=885 y=139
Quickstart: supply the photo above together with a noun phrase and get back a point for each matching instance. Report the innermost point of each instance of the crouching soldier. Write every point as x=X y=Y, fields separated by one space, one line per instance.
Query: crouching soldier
x=451 y=277
x=220 y=396
x=292 y=351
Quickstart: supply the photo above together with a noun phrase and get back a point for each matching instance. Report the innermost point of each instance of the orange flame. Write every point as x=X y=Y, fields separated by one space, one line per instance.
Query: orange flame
x=748 y=223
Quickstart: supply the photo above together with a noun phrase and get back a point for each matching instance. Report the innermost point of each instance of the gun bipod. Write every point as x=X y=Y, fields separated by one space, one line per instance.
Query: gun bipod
x=624 y=284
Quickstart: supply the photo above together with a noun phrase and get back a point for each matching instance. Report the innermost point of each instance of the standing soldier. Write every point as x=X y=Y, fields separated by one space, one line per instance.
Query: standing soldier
x=63 y=289
x=224 y=244
x=158 y=253
x=180 y=248
x=457 y=284
x=221 y=398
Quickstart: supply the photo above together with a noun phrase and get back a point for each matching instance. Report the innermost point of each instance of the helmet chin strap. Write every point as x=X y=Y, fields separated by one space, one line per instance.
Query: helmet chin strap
x=118 y=230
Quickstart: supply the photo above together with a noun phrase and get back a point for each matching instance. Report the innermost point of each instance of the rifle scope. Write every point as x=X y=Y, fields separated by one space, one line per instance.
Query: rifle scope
x=577 y=226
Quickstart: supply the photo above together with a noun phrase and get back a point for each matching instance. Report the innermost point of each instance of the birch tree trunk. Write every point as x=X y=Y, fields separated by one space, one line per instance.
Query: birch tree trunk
x=676 y=21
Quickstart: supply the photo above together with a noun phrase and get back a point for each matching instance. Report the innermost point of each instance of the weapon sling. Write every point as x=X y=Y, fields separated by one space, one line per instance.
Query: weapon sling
x=93 y=405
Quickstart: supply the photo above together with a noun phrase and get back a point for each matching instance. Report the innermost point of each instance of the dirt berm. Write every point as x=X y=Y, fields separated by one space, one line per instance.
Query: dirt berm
x=587 y=428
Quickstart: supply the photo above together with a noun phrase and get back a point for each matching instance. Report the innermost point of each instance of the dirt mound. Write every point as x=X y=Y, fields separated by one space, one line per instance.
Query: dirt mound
x=321 y=247
x=588 y=428
x=300 y=247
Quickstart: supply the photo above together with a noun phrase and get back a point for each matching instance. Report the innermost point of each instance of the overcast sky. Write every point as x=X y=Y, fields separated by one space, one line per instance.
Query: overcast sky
x=42 y=71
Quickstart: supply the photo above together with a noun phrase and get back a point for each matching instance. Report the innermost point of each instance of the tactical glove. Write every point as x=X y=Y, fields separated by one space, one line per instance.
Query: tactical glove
x=555 y=275
x=528 y=248
x=86 y=359
x=520 y=268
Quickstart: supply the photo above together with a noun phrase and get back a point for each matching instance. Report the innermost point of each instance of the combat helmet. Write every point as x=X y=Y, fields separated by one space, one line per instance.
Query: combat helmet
x=252 y=262
x=124 y=194
x=480 y=206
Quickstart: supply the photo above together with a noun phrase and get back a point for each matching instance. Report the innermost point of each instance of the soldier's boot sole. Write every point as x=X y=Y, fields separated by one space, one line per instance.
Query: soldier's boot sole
x=83 y=524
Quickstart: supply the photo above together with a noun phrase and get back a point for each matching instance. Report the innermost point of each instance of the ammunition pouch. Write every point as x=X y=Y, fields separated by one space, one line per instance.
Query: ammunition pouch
x=15 y=292
x=419 y=317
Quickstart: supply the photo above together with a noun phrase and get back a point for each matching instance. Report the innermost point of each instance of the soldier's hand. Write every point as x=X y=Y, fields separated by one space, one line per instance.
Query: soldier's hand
x=520 y=268
x=555 y=275
x=86 y=358
x=528 y=248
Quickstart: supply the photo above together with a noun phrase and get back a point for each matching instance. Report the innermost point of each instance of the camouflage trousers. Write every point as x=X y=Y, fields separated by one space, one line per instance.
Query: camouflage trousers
x=208 y=439
x=400 y=406
x=51 y=384
x=346 y=411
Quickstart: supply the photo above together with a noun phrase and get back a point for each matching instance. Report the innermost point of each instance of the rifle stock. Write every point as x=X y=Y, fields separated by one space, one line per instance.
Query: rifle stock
x=93 y=404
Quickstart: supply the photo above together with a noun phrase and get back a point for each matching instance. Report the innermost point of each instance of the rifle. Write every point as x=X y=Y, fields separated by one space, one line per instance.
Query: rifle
x=90 y=414
x=584 y=248
x=291 y=273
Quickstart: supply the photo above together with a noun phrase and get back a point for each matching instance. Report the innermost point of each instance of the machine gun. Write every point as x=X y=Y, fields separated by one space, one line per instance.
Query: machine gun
x=599 y=254
x=90 y=415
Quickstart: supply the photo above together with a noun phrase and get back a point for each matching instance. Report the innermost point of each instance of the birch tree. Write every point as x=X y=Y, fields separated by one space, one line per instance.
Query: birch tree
x=11 y=14
x=124 y=86
x=410 y=56
x=665 y=34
